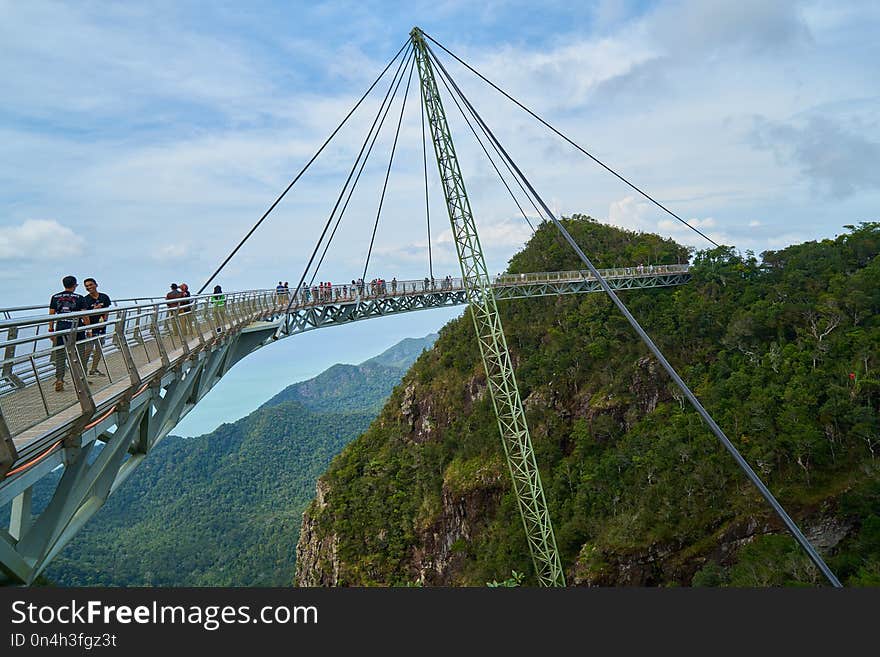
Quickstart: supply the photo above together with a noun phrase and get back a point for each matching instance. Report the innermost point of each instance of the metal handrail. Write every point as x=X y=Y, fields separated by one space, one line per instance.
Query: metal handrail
x=155 y=335
x=120 y=303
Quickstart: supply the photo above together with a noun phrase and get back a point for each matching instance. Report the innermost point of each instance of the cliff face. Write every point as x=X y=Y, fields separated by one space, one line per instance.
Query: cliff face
x=640 y=493
x=316 y=554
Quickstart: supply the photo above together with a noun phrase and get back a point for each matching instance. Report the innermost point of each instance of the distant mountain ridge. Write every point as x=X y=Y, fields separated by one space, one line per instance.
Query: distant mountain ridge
x=225 y=508
x=362 y=387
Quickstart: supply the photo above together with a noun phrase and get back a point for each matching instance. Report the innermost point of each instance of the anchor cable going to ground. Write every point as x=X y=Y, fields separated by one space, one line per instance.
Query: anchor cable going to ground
x=704 y=414
x=578 y=147
x=492 y=162
x=299 y=175
x=558 y=237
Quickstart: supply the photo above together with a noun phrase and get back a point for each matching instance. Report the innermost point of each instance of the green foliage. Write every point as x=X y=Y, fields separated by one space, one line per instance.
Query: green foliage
x=515 y=579
x=768 y=345
x=773 y=560
x=710 y=575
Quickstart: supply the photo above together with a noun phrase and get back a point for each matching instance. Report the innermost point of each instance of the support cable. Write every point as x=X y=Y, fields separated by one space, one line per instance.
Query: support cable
x=452 y=94
x=492 y=162
x=582 y=150
x=330 y=218
x=704 y=414
x=427 y=205
x=299 y=175
x=374 y=133
x=390 y=161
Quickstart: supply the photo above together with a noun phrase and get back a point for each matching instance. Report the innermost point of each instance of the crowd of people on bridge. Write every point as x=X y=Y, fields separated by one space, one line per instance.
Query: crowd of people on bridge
x=327 y=292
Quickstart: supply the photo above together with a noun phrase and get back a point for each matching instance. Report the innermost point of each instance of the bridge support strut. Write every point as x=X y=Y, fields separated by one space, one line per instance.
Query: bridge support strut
x=490 y=335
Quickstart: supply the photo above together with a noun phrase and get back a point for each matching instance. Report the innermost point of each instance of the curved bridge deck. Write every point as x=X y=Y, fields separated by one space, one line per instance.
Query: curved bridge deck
x=156 y=363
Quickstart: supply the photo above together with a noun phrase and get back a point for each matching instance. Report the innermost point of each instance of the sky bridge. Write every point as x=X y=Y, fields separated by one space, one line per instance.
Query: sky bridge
x=156 y=362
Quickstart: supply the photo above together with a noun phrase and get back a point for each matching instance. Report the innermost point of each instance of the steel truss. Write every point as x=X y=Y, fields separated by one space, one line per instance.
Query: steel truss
x=490 y=336
x=583 y=286
x=334 y=314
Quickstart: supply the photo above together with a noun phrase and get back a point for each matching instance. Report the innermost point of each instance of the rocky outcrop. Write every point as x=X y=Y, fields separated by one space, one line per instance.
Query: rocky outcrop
x=418 y=415
x=442 y=548
x=317 y=561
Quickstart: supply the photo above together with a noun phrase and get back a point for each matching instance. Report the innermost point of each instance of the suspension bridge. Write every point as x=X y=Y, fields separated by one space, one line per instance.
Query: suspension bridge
x=155 y=361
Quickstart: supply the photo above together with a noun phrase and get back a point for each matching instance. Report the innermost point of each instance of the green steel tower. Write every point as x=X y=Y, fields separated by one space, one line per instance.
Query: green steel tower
x=490 y=335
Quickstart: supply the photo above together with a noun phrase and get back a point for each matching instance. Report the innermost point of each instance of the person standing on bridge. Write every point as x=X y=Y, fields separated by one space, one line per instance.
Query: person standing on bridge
x=93 y=301
x=171 y=319
x=186 y=311
x=66 y=301
x=218 y=300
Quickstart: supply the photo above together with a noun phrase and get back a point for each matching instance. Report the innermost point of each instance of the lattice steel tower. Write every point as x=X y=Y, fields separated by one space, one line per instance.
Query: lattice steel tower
x=490 y=336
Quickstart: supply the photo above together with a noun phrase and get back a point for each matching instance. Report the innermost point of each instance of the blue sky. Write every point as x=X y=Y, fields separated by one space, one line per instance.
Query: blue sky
x=142 y=140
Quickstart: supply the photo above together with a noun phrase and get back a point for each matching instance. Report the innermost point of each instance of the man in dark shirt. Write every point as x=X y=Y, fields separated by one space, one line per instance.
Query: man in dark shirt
x=173 y=308
x=95 y=300
x=66 y=301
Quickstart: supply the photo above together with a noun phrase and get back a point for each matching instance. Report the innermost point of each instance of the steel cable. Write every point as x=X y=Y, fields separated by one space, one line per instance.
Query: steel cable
x=374 y=134
x=330 y=218
x=578 y=147
x=302 y=171
x=390 y=161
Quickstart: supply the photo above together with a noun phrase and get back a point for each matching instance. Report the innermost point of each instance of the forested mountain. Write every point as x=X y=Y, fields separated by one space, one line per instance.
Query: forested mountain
x=363 y=387
x=225 y=508
x=782 y=350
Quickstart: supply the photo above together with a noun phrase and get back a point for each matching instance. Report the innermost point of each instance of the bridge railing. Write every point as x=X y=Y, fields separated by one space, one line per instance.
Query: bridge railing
x=320 y=294
x=577 y=275
x=39 y=310
x=136 y=339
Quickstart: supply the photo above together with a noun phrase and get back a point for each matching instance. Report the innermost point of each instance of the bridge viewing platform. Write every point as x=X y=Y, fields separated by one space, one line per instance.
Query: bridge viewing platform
x=156 y=362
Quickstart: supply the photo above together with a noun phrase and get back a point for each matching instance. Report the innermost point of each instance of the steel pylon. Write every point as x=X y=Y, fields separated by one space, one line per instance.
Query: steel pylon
x=490 y=335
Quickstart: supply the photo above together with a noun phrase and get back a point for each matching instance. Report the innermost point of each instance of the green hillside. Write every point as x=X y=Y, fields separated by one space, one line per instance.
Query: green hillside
x=782 y=350
x=225 y=508
x=363 y=387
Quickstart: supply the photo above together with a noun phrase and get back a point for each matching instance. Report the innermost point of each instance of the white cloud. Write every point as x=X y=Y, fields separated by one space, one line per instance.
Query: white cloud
x=39 y=239
x=152 y=127
x=494 y=234
x=697 y=27
x=176 y=251
x=838 y=160
x=637 y=215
